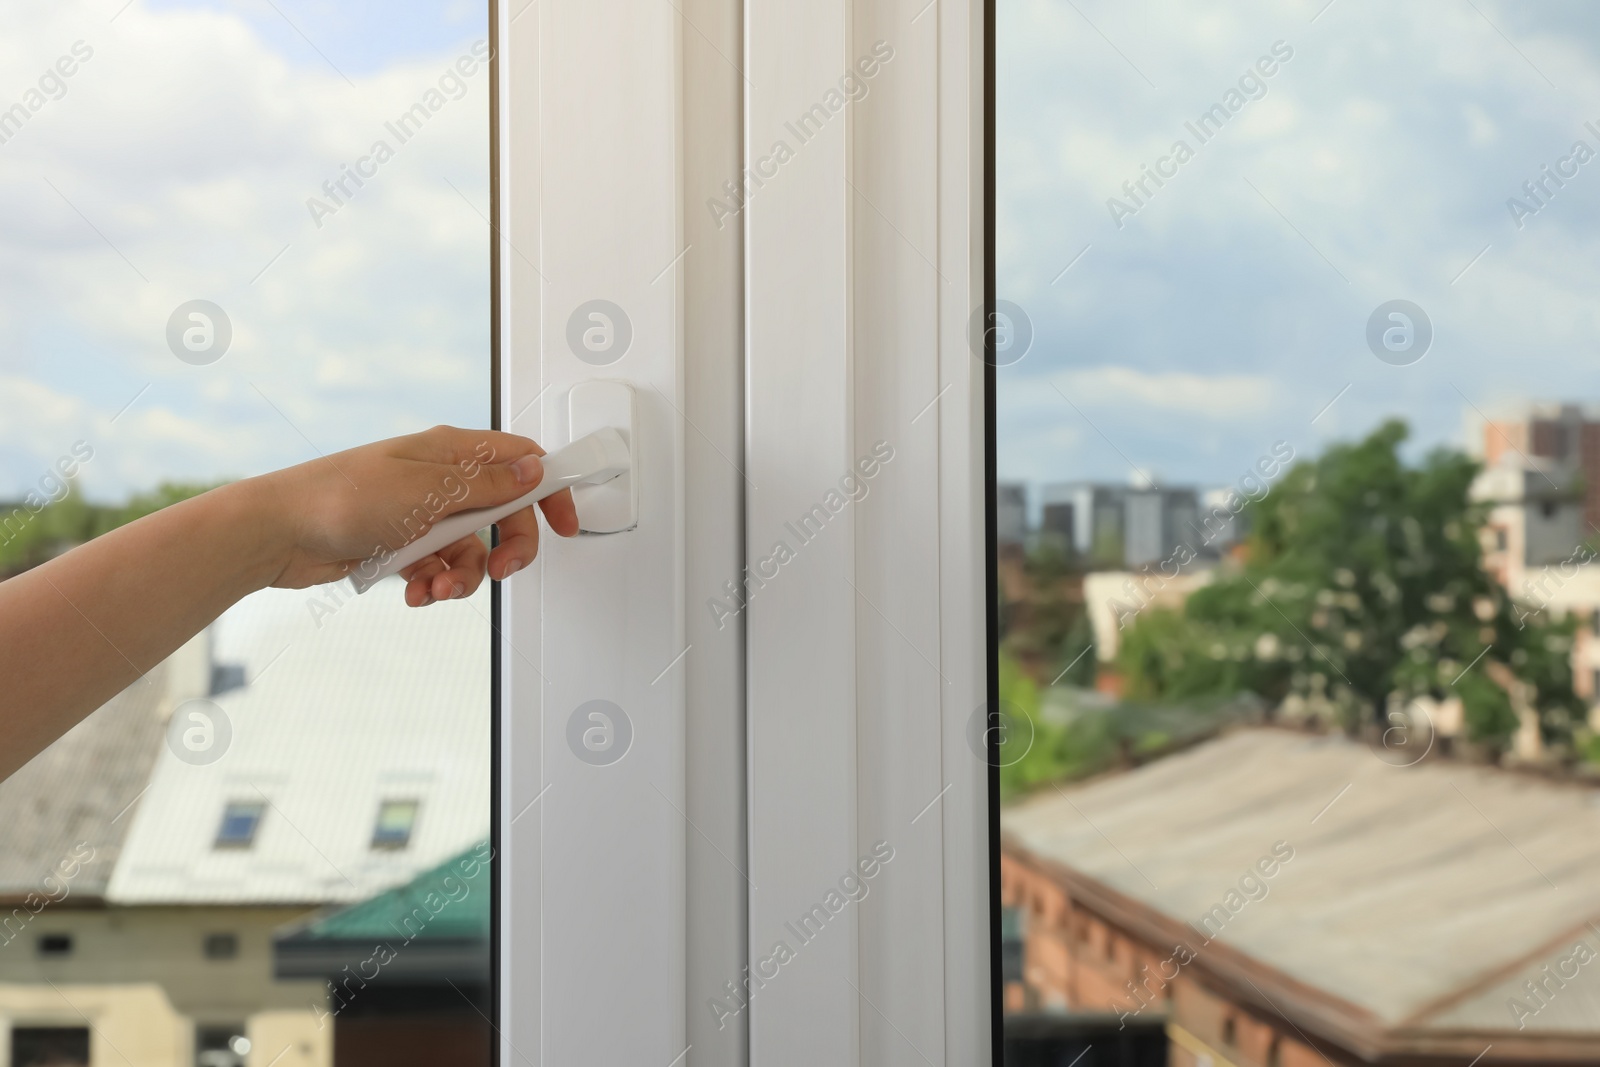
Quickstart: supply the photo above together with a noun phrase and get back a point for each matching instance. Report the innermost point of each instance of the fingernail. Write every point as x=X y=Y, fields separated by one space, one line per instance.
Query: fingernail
x=528 y=469
x=427 y=598
x=457 y=590
x=512 y=568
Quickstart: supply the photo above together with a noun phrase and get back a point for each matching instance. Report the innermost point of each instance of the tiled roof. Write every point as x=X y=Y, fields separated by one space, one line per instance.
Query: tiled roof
x=79 y=794
x=349 y=701
x=435 y=927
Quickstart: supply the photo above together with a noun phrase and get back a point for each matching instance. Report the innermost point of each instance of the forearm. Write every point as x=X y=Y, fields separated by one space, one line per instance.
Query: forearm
x=76 y=631
x=82 y=628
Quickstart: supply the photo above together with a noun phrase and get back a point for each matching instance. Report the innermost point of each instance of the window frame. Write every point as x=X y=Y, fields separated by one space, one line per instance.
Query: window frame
x=378 y=843
x=925 y=949
x=221 y=842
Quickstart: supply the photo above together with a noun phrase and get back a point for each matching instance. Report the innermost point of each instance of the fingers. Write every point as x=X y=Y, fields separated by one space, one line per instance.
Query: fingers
x=453 y=445
x=561 y=513
x=419 y=580
x=452 y=573
x=502 y=483
x=519 y=544
x=458 y=570
x=495 y=468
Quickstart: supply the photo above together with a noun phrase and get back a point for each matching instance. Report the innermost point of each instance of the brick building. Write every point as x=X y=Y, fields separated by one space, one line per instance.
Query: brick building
x=1562 y=437
x=1541 y=486
x=1274 y=899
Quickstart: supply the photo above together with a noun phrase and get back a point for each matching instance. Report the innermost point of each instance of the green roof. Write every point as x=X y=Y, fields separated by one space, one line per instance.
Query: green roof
x=443 y=903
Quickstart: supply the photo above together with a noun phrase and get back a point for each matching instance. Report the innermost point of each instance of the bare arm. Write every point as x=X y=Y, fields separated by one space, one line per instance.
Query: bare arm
x=81 y=628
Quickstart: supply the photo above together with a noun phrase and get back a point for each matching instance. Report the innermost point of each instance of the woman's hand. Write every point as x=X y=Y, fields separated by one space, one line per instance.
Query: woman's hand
x=331 y=514
x=116 y=607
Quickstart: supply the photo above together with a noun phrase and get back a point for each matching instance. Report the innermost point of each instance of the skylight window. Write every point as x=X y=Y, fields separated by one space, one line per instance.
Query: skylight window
x=395 y=821
x=239 y=822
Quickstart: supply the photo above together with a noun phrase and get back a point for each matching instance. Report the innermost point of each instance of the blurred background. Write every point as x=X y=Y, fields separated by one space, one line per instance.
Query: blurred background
x=238 y=236
x=1299 y=431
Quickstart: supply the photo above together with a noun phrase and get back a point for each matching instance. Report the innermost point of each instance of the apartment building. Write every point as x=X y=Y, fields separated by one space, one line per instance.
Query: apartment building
x=1121 y=525
x=1011 y=514
x=1541 y=486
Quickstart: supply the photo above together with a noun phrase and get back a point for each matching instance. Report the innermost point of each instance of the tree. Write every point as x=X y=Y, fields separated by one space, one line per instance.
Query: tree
x=1050 y=630
x=1364 y=580
x=29 y=538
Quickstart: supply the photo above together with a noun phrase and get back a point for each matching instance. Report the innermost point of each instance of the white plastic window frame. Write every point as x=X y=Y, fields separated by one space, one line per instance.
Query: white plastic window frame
x=787 y=317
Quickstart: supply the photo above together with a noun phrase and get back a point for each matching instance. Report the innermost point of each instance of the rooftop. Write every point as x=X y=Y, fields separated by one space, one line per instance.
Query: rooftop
x=436 y=926
x=349 y=702
x=76 y=798
x=1417 y=900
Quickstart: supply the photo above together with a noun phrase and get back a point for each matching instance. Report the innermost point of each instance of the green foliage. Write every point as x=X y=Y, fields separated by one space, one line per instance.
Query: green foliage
x=1057 y=632
x=29 y=538
x=1057 y=734
x=1061 y=751
x=1364 y=578
x=1077 y=656
x=1035 y=750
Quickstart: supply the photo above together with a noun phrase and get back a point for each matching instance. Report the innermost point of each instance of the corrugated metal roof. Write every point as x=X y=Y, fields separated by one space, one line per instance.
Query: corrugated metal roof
x=350 y=701
x=77 y=792
x=453 y=903
x=1422 y=895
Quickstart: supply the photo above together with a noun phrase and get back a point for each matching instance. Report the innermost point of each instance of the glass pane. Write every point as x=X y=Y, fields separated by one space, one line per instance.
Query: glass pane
x=240 y=236
x=1299 y=432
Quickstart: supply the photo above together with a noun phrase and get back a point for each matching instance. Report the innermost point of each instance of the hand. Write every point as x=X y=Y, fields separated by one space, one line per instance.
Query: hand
x=331 y=514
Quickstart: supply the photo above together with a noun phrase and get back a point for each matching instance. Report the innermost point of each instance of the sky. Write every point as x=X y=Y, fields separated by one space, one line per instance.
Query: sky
x=1226 y=313
x=177 y=166
x=1229 y=308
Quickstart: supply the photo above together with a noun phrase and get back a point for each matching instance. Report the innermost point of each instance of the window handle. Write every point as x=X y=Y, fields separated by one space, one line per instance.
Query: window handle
x=593 y=459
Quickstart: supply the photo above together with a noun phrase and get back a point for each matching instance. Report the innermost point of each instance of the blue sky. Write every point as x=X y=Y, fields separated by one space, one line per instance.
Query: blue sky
x=358 y=37
x=1231 y=309
x=1224 y=316
x=177 y=166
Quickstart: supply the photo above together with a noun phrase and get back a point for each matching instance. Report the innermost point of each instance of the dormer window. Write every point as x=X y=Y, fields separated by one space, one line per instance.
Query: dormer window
x=395 y=821
x=240 y=819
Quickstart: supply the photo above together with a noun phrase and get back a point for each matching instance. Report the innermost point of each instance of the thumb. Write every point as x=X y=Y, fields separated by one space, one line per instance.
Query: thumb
x=501 y=483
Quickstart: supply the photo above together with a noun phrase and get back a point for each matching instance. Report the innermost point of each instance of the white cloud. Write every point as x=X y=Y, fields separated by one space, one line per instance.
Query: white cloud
x=191 y=147
x=1376 y=167
x=1222 y=396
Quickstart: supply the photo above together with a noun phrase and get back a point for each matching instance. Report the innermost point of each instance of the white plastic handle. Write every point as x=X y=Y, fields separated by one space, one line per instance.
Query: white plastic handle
x=598 y=457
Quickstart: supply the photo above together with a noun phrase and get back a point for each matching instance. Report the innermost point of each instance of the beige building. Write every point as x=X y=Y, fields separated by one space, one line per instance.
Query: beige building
x=85 y=981
x=1541 y=485
x=142 y=886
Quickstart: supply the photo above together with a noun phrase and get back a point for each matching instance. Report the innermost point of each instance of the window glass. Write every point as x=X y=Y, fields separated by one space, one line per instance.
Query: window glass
x=395 y=819
x=239 y=823
x=1302 y=471
x=236 y=237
